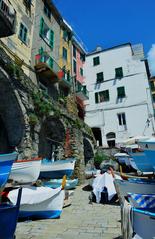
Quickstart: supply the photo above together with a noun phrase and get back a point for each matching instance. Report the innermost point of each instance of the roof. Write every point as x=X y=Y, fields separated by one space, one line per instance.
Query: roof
x=108 y=49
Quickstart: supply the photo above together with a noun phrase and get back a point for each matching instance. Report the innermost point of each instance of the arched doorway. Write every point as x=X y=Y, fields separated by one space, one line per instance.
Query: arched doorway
x=88 y=150
x=97 y=135
x=52 y=136
x=12 y=125
x=111 y=137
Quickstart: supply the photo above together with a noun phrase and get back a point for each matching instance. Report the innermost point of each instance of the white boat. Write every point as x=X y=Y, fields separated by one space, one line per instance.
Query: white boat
x=55 y=183
x=123 y=158
x=39 y=202
x=136 y=186
x=57 y=169
x=143 y=221
x=26 y=171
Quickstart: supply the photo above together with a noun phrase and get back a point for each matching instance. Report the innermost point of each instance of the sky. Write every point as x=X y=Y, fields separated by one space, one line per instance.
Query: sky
x=108 y=23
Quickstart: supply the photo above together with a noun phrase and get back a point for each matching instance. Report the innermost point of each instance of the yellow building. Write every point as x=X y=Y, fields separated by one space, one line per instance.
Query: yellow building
x=18 y=45
x=65 y=60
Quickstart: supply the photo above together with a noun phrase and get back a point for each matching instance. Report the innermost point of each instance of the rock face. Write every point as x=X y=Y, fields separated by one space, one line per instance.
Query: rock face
x=37 y=126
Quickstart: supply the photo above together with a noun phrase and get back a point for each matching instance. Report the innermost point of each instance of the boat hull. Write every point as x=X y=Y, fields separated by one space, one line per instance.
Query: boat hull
x=57 y=169
x=126 y=187
x=39 y=203
x=142 y=162
x=144 y=222
x=6 y=162
x=25 y=171
x=55 y=183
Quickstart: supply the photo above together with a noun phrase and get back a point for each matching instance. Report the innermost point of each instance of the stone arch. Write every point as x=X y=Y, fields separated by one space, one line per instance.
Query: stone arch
x=11 y=116
x=52 y=135
x=88 y=150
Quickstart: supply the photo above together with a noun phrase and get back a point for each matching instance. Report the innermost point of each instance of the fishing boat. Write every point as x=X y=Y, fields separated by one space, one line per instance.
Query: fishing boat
x=143 y=221
x=126 y=186
x=142 y=200
x=8 y=218
x=55 y=183
x=148 y=146
x=122 y=158
x=57 y=169
x=25 y=171
x=6 y=161
x=39 y=202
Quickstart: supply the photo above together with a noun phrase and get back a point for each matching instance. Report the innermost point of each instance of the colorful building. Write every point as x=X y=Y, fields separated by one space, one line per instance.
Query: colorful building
x=17 y=26
x=78 y=60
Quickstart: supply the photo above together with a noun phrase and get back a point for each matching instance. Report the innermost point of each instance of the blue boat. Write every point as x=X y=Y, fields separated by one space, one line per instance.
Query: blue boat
x=142 y=162
x=55 y=183
x=8 y=218
x=143 y=221
x=148 y=146
x=57 y=169
x=6 y=161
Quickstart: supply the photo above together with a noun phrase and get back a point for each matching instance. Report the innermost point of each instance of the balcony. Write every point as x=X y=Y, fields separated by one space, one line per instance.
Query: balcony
x=81 y=91
x=46 y=67
x=7 y=18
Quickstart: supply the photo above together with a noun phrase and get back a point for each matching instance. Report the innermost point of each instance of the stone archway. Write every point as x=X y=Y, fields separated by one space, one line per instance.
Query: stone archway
x=52 y=136
x=88 y=150
x=11 y=116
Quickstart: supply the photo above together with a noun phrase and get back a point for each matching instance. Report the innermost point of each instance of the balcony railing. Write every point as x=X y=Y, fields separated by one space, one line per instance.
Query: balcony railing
x=81 y=91
x=7 y=18
x=45 y=65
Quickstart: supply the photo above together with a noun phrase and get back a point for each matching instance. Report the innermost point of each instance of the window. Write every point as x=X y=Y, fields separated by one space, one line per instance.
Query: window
x=119 y=72
x=47 y=10
x=23 y=33
x=82 y=57
x=121 y=121
x=99 y=77
x=46 y=34
x=74 y=51
x=81 y=71
x=64 y=53
x=96 y=61
x=121 y=92
x=102 y=96
x=153 y=98
x=65 y=35
x=74 y=66
x=152 y=85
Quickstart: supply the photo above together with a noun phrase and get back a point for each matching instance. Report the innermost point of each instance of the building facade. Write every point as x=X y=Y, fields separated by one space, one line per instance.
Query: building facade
x=18 y=42
x=78 y=61
x=120 y=104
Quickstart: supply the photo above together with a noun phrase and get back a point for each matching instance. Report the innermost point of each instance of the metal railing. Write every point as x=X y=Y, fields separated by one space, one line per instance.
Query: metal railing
x=82 y=89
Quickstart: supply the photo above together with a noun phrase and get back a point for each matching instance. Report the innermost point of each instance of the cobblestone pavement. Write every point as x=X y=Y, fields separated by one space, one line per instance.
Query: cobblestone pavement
x=80 y=220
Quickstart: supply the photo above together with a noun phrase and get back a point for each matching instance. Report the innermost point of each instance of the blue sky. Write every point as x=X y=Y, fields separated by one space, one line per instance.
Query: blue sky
x=111 y=22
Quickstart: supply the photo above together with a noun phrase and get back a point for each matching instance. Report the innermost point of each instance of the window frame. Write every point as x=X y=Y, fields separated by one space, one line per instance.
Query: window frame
x=47 y=10
x=64 y=53
x=96 y=61
x=102 y=96
x=44 y=30
x=98 y=78
x=121 y=117
x=121 y=95
x=74 y=66
x=119 y=72
x=23 y=33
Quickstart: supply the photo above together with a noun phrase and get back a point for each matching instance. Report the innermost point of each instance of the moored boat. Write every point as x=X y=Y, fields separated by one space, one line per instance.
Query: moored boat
x=126 y=187
x=8 y=218
x=39 y=202
x=26 y=171
x=143 y=221
x=6 y=161
x=57 y=169
x=55 y=183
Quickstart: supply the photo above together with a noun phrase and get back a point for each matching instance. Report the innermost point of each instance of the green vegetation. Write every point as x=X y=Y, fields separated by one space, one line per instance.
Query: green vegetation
x=33 y=119
x=99 y=158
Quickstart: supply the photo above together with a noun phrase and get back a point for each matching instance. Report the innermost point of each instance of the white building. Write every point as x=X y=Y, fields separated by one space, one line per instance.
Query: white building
x=120 y=104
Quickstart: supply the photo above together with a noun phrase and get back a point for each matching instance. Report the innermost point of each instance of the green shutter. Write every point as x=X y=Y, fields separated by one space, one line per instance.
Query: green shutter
x=107 y=95
x=41 y=27
x=51 y=39
x=96 y=98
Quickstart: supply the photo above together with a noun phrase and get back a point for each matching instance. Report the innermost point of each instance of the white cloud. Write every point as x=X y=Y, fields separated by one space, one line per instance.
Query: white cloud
x=151 y=59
